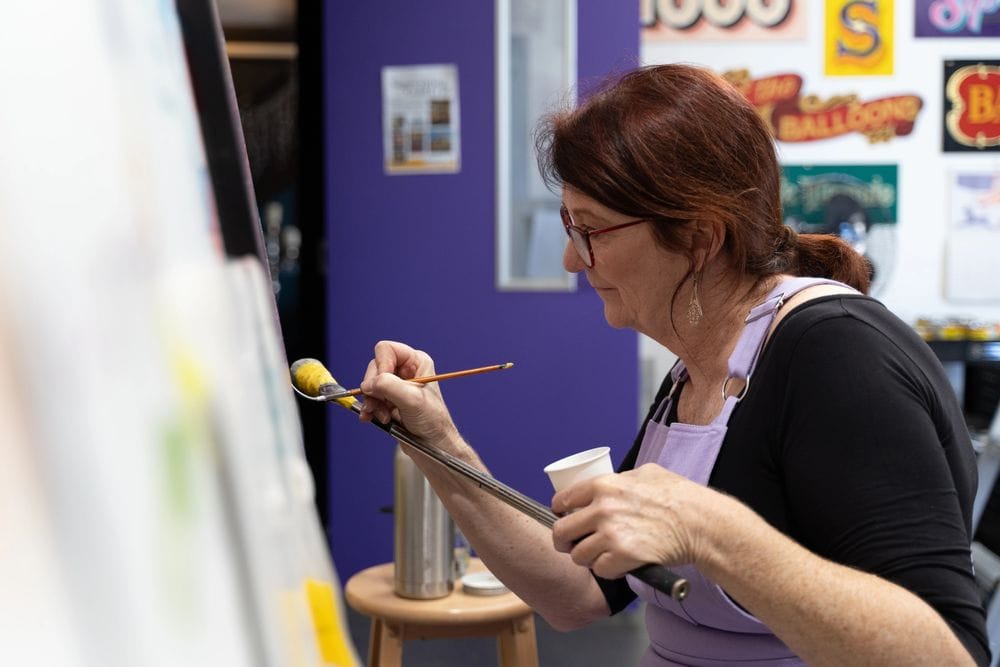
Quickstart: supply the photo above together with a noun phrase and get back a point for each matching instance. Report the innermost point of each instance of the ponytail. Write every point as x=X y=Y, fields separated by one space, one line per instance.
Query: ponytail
x=828 y=256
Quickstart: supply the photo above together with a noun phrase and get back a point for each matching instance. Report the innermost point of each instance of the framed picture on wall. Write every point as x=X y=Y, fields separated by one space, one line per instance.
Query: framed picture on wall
x=420 y=119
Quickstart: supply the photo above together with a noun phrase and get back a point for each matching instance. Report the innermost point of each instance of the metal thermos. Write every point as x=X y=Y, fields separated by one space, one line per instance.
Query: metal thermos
x=423 y=548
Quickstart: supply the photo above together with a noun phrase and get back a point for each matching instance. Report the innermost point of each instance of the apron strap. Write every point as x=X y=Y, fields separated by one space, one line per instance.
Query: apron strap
x=758 y=321
x=743 y=361
x=678 y=373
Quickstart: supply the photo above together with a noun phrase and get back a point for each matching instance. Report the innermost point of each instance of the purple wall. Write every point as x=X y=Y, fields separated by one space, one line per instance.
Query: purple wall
x=411 y=258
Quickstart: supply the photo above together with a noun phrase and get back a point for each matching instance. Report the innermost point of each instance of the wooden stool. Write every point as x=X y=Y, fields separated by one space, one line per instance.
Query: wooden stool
x=396 y=619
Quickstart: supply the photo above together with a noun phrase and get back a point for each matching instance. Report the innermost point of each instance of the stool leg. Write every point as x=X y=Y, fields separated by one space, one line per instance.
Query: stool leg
x=516 y=643
x=374 y=642
x=385 y=645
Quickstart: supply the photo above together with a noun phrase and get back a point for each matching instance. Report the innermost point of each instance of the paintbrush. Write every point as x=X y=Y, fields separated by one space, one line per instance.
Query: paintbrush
x=312 y=379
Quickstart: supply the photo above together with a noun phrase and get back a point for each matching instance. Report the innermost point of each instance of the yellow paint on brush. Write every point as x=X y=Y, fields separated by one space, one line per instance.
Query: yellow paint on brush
x=309 y=375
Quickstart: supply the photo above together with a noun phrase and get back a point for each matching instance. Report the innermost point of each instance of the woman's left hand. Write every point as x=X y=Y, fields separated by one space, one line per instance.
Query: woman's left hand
x=615 y=523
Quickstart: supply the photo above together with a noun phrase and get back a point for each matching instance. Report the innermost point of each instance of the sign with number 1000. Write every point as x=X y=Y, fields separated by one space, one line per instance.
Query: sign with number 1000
x=686 y=14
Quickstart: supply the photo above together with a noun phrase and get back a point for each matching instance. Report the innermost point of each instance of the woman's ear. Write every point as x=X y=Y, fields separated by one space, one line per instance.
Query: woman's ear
x=707 y=239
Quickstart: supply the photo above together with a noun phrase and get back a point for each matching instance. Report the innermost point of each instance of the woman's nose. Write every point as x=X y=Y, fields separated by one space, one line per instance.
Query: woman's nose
x=571 y=259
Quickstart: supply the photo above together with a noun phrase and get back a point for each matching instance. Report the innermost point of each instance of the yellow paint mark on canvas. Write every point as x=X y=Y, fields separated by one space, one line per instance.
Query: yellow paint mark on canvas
x=331 y=639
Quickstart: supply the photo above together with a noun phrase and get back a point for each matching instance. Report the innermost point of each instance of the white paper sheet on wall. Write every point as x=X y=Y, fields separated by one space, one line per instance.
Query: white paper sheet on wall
x=972 y=260
x=972 y=265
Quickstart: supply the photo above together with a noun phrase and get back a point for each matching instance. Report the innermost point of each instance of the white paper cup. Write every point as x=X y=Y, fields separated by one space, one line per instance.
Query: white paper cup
x=578 y=467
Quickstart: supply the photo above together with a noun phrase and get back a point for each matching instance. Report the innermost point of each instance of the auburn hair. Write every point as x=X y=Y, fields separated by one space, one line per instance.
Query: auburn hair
x=679 y=145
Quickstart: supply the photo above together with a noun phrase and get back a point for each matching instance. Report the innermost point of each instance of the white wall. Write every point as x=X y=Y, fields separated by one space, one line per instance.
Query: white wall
x=916 y=286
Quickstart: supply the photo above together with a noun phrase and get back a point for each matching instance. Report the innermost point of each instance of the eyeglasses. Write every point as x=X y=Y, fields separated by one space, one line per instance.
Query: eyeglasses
x=581 y=237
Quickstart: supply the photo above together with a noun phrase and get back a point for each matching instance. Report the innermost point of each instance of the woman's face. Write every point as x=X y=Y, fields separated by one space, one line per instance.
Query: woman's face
x=634 y=275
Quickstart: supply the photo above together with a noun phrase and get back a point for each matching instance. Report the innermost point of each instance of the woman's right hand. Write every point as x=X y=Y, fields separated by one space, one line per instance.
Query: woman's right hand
x=419 y=407
x=615 y=523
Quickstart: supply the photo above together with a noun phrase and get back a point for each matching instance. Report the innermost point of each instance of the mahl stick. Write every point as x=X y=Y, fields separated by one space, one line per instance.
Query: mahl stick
x=312 y=380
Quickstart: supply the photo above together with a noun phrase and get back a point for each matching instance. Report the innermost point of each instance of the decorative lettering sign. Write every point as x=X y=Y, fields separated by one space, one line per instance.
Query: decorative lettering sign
x=957 y=18
x=972 y=105
x=794 y=117
x=855 y=202
x=704 y=20
x=859 y=37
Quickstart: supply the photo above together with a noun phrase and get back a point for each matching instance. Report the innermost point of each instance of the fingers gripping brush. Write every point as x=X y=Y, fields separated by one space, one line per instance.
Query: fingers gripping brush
x=313 y=381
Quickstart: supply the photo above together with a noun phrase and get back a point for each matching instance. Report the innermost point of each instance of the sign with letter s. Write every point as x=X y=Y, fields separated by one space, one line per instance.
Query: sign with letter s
x=859 y=37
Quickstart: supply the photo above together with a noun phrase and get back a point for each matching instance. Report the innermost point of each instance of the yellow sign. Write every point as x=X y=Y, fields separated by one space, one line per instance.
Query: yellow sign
x=859 y=37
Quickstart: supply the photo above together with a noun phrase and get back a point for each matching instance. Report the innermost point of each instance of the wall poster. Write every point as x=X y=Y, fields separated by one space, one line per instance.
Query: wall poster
x=420 y=119
x=855 y=202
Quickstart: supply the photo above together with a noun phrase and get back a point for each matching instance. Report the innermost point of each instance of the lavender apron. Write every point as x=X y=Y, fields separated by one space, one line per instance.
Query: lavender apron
x=707 y=627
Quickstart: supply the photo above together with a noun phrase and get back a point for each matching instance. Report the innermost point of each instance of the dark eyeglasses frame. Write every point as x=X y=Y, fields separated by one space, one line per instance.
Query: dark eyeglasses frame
x=581 y=237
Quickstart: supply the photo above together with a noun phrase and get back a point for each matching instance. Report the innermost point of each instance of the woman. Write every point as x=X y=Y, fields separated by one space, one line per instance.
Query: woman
x=805 y=465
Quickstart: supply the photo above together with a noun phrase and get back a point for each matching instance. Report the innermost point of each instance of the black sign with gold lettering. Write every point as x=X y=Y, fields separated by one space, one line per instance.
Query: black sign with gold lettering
x=971 y=105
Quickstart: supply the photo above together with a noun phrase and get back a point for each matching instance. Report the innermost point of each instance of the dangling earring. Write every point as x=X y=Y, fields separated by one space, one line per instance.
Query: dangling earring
x=694 y=311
